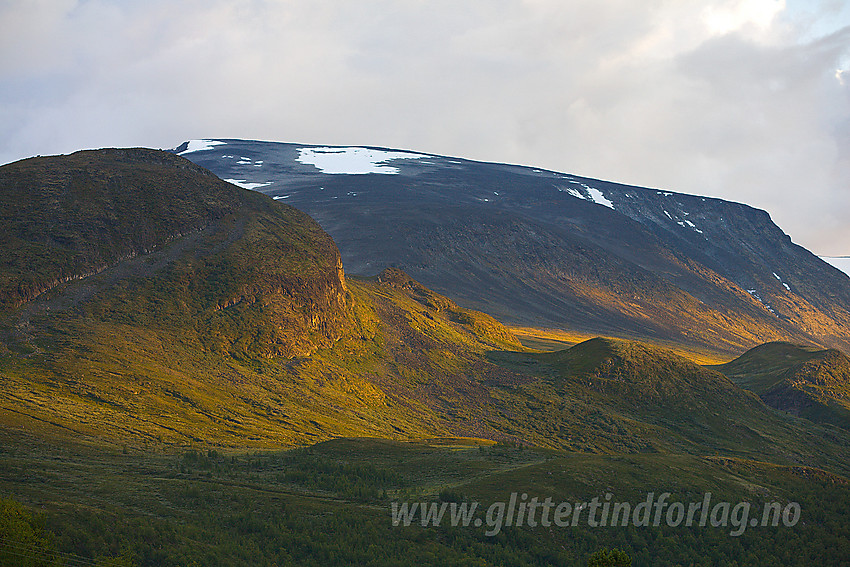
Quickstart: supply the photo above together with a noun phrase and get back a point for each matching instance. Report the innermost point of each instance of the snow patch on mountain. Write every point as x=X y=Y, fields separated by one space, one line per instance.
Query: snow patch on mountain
x=691 y=225
x=353 y=160
x=245 y=184
x=574 y=192
x=200 y=146
x=775 y=275
x=593 y=194
x=598 y=197
x=756 y=295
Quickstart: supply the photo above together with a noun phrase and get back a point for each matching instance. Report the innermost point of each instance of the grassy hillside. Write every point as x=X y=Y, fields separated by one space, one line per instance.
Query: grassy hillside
x=245 y=332
x=144 y=372
x=400 y=368
x=146 y=240
x=67 y=217
x=615 y=396
x=549 y=340
x=208 y=337
x=805 y=381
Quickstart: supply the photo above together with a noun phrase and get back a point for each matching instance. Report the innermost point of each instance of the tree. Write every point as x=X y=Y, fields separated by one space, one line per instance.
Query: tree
x=23 y=541
x=609 y=558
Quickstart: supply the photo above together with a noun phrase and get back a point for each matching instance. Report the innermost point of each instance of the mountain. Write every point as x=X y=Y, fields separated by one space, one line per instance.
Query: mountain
x=149 y=301
x=204 y=256
x=542 y=248
x=238 y=326
x=165 y=334
x=805 y=381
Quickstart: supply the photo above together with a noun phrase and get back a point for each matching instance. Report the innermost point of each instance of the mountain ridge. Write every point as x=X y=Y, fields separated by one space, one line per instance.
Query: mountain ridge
x=145 y=405
x=802 y=380
x=540 y=248
x=91 y=213
x=248 y=332
x=243 y=330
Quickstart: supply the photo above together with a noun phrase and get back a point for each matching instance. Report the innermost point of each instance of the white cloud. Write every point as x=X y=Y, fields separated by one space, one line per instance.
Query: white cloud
x=729 y=17
x=742 y=99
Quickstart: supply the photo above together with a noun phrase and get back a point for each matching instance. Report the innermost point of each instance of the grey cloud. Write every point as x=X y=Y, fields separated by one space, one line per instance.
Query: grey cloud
x=636 y=92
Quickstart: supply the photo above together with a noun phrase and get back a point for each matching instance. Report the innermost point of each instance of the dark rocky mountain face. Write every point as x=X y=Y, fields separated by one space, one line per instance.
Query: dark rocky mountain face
x=550 y=249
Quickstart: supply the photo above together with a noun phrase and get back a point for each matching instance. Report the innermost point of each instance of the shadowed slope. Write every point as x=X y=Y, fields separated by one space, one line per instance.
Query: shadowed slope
x=805 y=381
x=543 y=248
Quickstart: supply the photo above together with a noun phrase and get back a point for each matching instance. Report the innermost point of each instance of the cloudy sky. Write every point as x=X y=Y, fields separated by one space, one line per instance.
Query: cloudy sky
x=741 y=99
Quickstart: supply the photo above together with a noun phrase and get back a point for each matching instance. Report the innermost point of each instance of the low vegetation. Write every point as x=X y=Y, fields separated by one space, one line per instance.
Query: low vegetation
x=330 y=504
